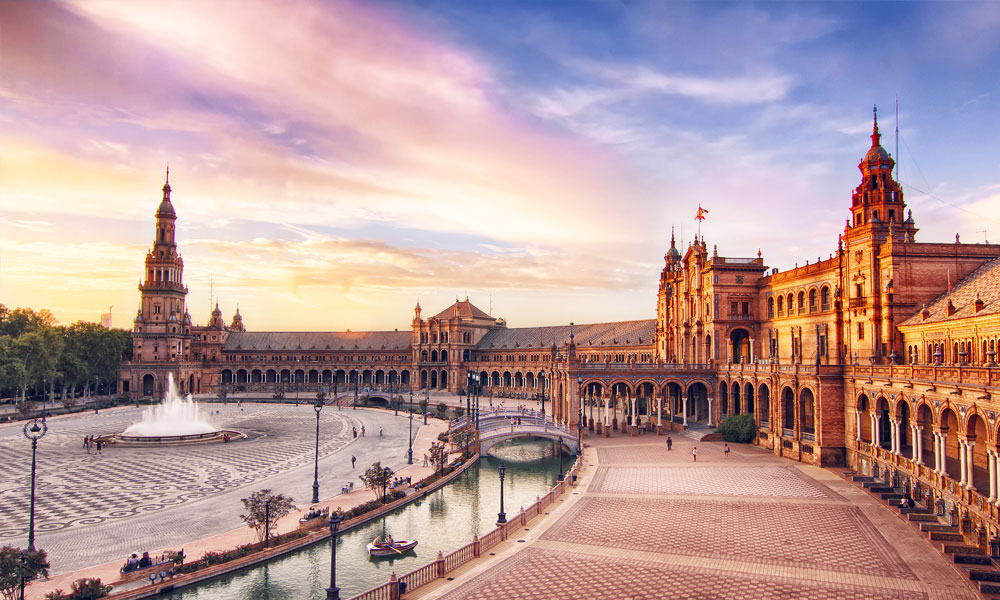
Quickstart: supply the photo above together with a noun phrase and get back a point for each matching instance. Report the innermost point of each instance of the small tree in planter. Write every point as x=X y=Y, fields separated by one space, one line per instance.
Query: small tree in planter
x=377 y=479
x=35 y=566
x=423 y=405
x=442 y=410
x=262 y=518
x=439 y=456
x=83 y=589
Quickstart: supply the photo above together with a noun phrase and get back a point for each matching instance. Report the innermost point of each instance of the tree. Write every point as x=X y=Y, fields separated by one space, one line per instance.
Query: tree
x=83 y=589
x=35 y=566
x=423 y=405
x=738 y=428
x=459 y=411
x=464 y=439
x=377 y=479
x=442 y=410
x=439 y=456
x=263 y=518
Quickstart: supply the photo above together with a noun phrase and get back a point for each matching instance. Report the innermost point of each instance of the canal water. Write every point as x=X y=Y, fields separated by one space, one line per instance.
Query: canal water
x=444 y=521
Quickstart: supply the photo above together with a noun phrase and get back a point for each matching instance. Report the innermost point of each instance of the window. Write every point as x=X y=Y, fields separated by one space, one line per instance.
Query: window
x=825 y=298
x=781 y=304
x=861 y=331
x=812 y=300
x=770 y=308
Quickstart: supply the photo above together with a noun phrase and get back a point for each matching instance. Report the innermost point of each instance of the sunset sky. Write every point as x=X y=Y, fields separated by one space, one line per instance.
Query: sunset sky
x=334 y=162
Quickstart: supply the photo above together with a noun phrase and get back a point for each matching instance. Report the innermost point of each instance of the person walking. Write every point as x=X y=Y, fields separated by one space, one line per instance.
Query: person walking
x=99 y=445
x=670 y=443
x=725 y=451
x=362 y=431
x=380 y=432
x=355 y=431
x=86 y=443
x=354 y=459
x=694 y=453
x=425 y=460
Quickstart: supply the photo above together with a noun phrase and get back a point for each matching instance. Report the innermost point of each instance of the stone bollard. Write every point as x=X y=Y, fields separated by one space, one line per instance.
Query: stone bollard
x=475 y=546
x=440 y=565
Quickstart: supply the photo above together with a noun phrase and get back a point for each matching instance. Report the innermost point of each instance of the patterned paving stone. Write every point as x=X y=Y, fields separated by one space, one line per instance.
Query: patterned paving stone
x=75 y=488
x=727 y=481
x=537 y=574
x=769 y=533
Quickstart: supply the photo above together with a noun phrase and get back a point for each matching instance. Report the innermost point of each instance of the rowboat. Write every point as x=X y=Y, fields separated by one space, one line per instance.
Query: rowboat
x=390 y=547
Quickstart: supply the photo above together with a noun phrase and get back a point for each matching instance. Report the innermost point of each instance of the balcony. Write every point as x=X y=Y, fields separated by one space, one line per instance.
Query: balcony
x=859 y=302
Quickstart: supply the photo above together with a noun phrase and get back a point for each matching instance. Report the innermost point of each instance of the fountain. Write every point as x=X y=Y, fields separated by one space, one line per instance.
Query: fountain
x=176 y=420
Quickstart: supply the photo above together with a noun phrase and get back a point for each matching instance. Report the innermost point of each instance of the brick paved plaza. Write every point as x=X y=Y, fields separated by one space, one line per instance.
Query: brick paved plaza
x=92 y=509
x=648 y=524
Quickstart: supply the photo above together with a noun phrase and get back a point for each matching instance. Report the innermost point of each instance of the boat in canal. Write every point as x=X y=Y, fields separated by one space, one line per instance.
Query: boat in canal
x=389 y=547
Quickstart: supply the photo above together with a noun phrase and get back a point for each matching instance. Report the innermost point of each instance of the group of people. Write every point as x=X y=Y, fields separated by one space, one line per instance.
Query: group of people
x=355 y=431
x=398 y=481
x=134 y=563
x=315 y=513
x=90 y=442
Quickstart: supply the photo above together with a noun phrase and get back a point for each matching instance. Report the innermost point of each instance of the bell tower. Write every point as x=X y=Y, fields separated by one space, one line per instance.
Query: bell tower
x=162 y=325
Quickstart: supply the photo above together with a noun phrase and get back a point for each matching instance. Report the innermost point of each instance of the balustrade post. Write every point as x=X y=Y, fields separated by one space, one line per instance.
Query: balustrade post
x=440 y=564
x=393 y=587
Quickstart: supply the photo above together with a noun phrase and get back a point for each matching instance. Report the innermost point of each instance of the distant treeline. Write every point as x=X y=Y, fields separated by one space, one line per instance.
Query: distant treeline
x=39 y=357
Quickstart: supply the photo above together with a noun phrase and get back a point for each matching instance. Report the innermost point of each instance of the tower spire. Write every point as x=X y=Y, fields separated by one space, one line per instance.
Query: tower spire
x=876 y=136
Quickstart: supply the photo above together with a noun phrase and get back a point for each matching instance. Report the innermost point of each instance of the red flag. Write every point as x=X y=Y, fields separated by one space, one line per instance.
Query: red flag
x=701 y=214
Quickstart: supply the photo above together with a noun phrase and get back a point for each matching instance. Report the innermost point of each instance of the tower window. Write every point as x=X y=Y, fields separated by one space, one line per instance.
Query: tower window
x=861 y=331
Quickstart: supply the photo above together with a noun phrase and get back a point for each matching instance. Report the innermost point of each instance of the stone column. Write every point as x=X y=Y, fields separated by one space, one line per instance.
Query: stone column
x=991 y=457
x=937 y=451
x=659 y=413
x=970 y=482
x=918 y=442
x=961 y=462
x=685 y=410
x=876 y=429
x=710 y=413
x=857 y=433
x=894 y=436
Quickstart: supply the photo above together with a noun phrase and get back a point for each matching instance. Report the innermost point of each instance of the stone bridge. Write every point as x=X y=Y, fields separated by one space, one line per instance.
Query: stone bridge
x=497 y=427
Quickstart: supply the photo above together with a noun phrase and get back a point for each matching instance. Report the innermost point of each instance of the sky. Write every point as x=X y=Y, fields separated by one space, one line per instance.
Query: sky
x=332 y=163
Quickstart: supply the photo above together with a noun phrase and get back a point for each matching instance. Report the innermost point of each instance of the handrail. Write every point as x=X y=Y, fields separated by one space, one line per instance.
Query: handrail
x=445 y=564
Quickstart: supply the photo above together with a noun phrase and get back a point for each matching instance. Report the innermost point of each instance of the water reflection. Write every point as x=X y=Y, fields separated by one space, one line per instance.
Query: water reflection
x=443 y=521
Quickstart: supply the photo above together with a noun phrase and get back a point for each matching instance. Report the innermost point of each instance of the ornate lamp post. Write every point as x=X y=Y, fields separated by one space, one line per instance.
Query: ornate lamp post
x=409 y=451
x=468 y=396
x=333 y=592
x=427 y=397
x=357 y=376
x=580 y=417
x=541 y=380
x=501 y=516
x=393 y=398
x=385 y=484
x=34 y=431
x=319 y=407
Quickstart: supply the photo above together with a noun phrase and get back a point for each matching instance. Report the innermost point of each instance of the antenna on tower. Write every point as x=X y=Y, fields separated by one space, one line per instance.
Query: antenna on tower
x=897 y=137
x=211 y=291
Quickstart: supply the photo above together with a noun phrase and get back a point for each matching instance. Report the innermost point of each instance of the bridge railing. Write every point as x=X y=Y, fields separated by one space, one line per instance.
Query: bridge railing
x=445 y=564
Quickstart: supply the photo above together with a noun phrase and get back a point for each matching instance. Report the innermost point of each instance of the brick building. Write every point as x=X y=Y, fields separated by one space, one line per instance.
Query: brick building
x=881 y=356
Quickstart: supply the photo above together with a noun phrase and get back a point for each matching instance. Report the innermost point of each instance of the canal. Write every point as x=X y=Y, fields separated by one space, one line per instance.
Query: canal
x=444 y=521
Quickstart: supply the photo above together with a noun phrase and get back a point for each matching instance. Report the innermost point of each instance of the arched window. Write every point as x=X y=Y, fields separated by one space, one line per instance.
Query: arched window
x=791 y=304
x=812 y=300
x=770 y=308
x=824 y=298
x=781 y=305
x=802 y=302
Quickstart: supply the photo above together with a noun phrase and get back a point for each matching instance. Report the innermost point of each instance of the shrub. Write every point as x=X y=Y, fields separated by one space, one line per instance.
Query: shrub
x=738 y=428
x=83 y=589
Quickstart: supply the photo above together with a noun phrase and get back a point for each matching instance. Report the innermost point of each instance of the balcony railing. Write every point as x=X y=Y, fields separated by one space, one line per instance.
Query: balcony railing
x=858 y=302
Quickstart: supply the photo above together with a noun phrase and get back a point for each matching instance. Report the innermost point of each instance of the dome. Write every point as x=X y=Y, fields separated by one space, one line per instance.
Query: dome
x=165 y=209
x=877 y=154
x=673 y=252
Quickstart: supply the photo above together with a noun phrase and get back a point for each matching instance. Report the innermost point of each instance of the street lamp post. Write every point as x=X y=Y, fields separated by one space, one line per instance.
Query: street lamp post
x=319 y=407
x=580 y=416
x=267 y=522
x=409 y=451
x=501 y=516
x=356 y=377
x=395 y=404
x=385 y=483
x=34 y=432
x=541 y=376
x=427 y=397
x=333 y=592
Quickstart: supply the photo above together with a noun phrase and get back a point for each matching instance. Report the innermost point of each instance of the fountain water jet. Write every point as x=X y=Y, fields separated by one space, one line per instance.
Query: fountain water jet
x=175 y=416
x=176 y=420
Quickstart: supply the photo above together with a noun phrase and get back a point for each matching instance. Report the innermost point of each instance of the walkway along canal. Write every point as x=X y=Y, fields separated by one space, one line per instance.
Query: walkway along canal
x=443 y=521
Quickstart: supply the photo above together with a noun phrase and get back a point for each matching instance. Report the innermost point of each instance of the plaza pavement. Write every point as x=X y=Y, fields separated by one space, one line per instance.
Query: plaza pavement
x=91 y=510
x=646 y=524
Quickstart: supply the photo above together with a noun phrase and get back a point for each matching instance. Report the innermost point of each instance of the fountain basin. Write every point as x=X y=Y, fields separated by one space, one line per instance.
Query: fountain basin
x=120 y=439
